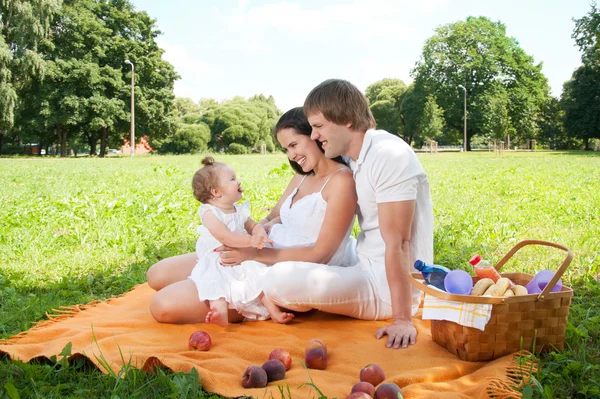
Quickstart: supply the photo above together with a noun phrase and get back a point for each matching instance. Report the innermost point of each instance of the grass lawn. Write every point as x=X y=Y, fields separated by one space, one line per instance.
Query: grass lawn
x=75 y=230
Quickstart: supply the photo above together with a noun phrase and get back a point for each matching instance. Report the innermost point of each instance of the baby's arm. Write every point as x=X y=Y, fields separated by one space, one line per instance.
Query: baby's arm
x=229 y=238
x=259 y=234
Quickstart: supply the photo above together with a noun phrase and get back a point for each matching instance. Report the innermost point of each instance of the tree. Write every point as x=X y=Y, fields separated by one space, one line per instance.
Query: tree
x=581 y=94
x=188 y=139
x=581 y=103
x=385 y=99
x=478 y=55
x=552 y=130
x=24 y=24
x=85 y=96
x=492 y=114
x=245 y=122
x=186 y=106
x=433 y=120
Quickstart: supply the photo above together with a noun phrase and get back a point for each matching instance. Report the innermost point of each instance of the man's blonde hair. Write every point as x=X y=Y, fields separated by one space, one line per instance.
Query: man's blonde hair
x=340 y=102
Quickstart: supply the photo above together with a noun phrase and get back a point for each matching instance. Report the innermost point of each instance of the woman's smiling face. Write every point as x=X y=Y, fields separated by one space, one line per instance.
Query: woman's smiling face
x=300 y=148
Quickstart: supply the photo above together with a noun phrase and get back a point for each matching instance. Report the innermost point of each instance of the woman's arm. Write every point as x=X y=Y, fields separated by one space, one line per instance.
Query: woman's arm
x=341 y=198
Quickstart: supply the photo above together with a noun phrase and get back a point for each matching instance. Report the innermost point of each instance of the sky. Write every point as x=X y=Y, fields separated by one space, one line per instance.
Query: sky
x=227 y=48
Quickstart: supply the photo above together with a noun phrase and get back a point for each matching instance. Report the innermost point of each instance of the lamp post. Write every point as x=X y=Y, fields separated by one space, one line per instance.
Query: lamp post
x=465 y=119
x=132 y=129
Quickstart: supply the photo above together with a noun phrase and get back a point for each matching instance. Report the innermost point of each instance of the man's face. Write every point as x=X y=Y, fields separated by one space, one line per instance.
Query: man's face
x=335 y=138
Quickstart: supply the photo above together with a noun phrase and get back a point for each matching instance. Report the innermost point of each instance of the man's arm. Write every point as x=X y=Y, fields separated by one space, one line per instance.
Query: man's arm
x=395 y=221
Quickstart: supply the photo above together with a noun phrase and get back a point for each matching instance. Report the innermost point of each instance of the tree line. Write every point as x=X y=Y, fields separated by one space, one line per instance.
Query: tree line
x=508 y=97
x=64 y=82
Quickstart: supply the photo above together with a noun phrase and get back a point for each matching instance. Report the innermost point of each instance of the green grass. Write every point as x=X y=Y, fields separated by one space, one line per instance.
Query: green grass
x=74 y=230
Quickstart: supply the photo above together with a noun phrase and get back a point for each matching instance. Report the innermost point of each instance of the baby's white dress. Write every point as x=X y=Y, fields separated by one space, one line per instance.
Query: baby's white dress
x=240 y=285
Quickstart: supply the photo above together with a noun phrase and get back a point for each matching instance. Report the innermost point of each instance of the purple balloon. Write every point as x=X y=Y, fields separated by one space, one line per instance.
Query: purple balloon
x=458 y=282
x=541 y=280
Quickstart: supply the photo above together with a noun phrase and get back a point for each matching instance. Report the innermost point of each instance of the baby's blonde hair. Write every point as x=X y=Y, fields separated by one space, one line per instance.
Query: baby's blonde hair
x=206 y=178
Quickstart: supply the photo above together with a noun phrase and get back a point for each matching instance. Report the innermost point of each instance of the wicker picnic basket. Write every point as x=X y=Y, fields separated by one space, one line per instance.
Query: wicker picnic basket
x=516 y=323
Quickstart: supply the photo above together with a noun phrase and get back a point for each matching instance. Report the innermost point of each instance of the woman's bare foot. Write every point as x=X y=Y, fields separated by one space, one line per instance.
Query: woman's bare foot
x=282 y=317
x=216 y=317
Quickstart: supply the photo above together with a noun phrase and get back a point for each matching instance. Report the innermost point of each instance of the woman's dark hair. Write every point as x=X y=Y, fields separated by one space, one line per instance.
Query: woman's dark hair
x=295 y=119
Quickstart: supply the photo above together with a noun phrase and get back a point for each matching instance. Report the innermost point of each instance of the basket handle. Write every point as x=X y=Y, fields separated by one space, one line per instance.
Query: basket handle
x=561 y=270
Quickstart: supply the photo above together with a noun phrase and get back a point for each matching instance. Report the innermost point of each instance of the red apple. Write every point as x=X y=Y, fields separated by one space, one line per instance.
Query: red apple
x=200 y=341
x=389 y=390
x=254 y=377
x=283 y=356
x=373 y=374
x=365 y=387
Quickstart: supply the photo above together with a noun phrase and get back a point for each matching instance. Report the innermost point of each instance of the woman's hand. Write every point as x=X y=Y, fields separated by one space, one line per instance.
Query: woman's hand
x=400 y=332
x=269 y=225
x=235 y=256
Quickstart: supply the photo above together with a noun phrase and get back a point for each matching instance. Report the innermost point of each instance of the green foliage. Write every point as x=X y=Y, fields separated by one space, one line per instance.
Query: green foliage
x=581 y=94
x=433 y=119
x=186 y=106
x=245 y=122
x=478 y=55
x=385 y=97
x=237 y=149
x=386 y=116
x=23 y=26
x=77 y=89
x=187 y=139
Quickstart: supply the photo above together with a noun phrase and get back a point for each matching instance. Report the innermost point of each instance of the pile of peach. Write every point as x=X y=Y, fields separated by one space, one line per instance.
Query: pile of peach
x=371 y=385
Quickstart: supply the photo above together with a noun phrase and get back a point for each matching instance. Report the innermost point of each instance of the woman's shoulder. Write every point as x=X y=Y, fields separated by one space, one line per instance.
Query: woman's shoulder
x=341 y=182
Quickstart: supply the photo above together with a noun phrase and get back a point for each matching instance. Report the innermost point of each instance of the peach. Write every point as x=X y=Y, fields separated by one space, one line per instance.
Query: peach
x=316 y=343
x=283 y=356
x=275 y=370
x=200 y=341
x=365 y=387
x=373 y=374
x=315 y=354
x=254 y=377
x=389 y=390
x=359 y=395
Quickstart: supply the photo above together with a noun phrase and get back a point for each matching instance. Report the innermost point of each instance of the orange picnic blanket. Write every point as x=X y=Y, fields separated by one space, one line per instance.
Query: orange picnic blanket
x=122 y=327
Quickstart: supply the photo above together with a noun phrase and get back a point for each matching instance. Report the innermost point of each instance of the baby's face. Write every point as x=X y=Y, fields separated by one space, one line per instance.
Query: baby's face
x=229 y=186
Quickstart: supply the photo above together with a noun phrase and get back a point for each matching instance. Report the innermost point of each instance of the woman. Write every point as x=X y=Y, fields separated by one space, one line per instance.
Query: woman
x=311 y=222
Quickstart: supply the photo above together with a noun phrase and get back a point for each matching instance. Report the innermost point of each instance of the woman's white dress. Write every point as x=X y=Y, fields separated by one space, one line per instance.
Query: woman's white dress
x=241 y=285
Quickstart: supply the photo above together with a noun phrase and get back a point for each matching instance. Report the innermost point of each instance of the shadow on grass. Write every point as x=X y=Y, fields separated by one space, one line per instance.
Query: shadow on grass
x=22 y=304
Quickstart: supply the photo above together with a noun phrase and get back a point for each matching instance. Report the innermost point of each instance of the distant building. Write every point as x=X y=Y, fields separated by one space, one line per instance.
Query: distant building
x=140 y=148
x=31 y=149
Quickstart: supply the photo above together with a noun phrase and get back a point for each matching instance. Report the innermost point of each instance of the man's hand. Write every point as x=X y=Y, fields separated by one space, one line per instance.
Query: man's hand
x=235 y=256
x=400 y=332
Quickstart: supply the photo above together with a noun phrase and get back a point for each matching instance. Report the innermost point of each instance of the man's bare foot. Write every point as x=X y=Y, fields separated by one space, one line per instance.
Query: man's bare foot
x=216 y=317
x=282 y=317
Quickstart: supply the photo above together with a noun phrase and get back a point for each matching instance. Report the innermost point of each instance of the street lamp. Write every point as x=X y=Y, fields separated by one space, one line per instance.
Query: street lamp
x=465 y=119
x=132 y=129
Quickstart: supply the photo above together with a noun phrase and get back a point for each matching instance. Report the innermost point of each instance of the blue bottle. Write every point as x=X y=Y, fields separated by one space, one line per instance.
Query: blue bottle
x=433 y=274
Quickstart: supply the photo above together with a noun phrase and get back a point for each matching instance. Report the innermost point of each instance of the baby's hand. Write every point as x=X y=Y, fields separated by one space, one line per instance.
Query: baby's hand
x=259 y=241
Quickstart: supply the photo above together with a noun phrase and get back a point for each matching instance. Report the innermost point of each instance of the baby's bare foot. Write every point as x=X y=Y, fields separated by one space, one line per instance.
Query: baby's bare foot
x=282 y=317
x=216 y=317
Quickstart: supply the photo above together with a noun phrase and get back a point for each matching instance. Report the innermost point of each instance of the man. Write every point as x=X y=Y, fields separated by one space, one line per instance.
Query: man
x=395 y=216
